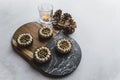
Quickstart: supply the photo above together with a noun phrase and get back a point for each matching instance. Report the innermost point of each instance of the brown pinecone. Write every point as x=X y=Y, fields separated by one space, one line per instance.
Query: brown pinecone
x=70 y=26
x=69 y=30
x=66 y=16
x=54 y=22
x=67 y=23
x=61 y=23
x=57 y=15
x=58 y=24
x=56 y=19
x=64 y=22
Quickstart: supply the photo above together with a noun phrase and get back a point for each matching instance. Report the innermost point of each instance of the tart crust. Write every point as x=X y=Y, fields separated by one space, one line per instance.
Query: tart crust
x=63 y=46
x=42 y=54
x=25 y=39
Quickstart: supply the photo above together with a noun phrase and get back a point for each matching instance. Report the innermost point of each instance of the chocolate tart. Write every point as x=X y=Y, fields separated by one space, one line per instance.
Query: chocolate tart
x=24 y=40
x=45 y=32
x=63 y=46
x=42 y=55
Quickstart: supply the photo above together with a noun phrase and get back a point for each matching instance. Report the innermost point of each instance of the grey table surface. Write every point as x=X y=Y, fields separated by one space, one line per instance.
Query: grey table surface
x=98 y=34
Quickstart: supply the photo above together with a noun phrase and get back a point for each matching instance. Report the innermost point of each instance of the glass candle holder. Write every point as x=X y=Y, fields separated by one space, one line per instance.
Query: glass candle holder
x=45 y=12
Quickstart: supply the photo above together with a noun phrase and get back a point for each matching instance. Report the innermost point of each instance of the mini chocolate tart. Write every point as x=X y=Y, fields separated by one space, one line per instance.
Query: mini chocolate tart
x=63 y=46
x=42 y=55
x=24 y=40
x=45 y=32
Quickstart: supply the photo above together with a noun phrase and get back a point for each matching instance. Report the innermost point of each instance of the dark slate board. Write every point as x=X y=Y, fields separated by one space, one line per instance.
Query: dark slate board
x=61 y=65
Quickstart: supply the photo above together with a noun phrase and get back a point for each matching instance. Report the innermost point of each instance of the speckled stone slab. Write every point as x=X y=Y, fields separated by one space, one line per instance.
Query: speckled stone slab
x=61 y=65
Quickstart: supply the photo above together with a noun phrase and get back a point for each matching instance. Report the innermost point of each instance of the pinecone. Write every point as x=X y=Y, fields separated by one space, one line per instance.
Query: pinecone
x=54 y=22
x=66 y=16
x=69 y=26
x=69 y=30
x=67 y=23
x=56 y=19
x=64 y=22
x=61 y=23
x=57 y=15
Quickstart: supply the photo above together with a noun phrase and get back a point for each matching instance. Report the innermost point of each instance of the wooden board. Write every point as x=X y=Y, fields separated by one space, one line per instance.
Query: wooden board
x=31 y=28
x=58 y=65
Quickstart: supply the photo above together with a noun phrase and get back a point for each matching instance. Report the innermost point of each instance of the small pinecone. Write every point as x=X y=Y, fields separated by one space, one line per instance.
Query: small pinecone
x=57 y=15
x=58 y=24
x=54 y=22
x=64 y=22
x=70 y=26
x=69 y=30
x=61 y=23
x=56 y=19
x=66 y=16
x=67 y=23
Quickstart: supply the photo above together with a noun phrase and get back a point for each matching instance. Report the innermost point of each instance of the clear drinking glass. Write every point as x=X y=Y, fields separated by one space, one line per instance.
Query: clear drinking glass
x=45 y=12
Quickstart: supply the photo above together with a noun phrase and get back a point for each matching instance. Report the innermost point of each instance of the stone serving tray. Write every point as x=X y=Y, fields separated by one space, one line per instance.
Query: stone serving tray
x=59 y=65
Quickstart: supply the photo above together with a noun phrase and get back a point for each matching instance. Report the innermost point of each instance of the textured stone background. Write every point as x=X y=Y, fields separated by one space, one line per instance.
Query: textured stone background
x=98 y=35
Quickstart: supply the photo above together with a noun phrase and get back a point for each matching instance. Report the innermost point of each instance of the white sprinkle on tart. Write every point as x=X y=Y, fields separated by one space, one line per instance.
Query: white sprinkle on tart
x=24 y=39
x=42 y=55
x=63 y=46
